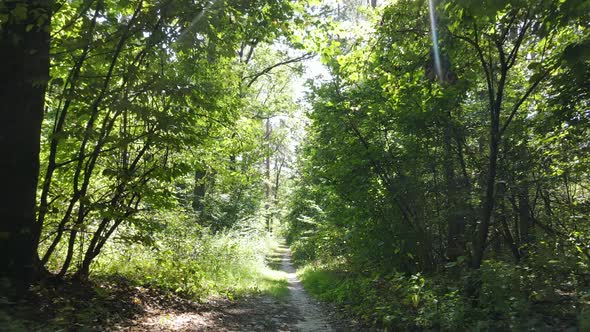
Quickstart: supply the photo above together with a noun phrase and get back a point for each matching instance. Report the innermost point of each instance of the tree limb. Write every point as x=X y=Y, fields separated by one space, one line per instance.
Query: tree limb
x=254 y=77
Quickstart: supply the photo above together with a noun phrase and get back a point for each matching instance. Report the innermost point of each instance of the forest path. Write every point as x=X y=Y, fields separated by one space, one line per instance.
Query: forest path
x=312 y=317
x=296 y=311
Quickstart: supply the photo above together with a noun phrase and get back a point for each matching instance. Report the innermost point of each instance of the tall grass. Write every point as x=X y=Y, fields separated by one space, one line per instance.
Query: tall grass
x=190 y=260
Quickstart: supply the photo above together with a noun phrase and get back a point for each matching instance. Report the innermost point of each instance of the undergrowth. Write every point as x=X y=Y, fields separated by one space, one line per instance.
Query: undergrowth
x=184 y=262
x=498 y=297
x=197 y=263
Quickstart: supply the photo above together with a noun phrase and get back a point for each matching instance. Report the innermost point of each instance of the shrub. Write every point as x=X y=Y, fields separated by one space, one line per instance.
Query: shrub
x=195 y=262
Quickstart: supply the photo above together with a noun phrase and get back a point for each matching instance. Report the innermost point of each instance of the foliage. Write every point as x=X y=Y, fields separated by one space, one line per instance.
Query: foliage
x=509 y=297
x=442 y=182
x=454 y=161
x=393 y=301
x=191 y=260
x=155 y=106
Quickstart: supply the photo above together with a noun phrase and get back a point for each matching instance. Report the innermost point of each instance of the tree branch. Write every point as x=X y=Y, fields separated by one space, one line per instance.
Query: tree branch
x=521 y=101
x=254 y=77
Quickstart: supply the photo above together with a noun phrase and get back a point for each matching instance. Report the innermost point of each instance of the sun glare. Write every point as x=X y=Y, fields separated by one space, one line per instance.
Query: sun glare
x=435 y=49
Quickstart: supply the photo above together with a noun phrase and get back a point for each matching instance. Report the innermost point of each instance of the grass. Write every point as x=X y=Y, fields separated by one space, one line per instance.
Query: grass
x=274 y=283
x=275 y=258
x=320 y=283
x=230 y=264
x=425 y=302
x=126 y=278
x=275 y=280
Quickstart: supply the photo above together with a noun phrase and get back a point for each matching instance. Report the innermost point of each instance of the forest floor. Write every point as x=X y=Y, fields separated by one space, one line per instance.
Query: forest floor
x=295 y=311
x=119 y=305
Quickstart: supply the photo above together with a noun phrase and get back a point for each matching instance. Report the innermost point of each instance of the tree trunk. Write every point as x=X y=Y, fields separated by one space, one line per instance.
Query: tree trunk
x=199 y=190
x=455 y=214
x=60 y=120
x=489 y=199
x=24 y=73
x=495 y=104
x=525 y=218
x=267 y=177
x=502 y=218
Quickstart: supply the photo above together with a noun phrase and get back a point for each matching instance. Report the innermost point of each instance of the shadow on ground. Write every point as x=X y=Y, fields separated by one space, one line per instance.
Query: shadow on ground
x=270 y=310
x=76 y=306
x=116 y=304
x=275 y=259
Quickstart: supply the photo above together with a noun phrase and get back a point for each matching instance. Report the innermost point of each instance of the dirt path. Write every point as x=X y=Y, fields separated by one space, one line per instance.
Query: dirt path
x=312 y=317
x=295 y=312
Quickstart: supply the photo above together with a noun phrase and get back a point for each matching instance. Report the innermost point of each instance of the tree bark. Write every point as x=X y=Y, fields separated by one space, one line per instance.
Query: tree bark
x=24 y=74
x=525 y=219
x=489 y=199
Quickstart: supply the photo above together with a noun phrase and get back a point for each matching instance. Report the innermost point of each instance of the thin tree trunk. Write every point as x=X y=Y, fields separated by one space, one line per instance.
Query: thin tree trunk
x=267 y=177
x=488 y=202
x=502 y=217
x=524 y=217
x=58 y=126
x=98 y=240
x=455 y=215
x=490 y=184
x=80 y=192
x=199 y=190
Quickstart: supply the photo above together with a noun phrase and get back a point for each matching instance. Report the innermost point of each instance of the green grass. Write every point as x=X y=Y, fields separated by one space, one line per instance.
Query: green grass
x=320 y=283
x=275 y=258
x=231 y=264
x=274 y=280
x=274 y=283
x=393 y=301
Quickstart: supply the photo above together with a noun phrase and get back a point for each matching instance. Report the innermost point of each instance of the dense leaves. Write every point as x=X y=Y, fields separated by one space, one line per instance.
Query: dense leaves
x=142 y=96
x=479 y=163
x=151 y=106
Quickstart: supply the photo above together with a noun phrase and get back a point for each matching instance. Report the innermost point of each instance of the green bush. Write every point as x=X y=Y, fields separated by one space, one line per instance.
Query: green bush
x=504 y=291
x=394 y=300
x=303 y=252
x=498 y=296
x=195 y=262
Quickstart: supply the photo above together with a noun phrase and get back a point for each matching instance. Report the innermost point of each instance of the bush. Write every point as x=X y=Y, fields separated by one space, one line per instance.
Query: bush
x=393 y=300
x=193 y=261
x=498 y=296
x=303 y=252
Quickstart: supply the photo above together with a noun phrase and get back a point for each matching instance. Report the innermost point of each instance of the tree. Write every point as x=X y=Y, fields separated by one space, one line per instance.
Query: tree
x=24 y=74
x=443 y=169
x=142 y=94
x=498 y=33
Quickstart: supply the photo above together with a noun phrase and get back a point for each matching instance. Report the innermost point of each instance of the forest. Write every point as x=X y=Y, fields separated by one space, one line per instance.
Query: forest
x=295 y=165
